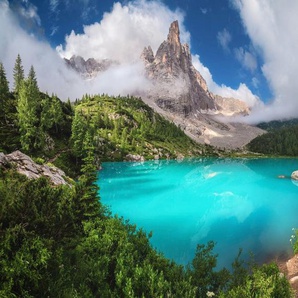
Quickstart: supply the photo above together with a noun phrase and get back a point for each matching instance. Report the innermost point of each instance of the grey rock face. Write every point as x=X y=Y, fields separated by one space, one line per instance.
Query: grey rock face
x=178 y=86
x=88 y=68
x=26 y=166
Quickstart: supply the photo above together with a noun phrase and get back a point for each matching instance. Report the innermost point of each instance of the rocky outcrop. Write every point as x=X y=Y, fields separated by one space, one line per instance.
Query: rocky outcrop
x=88 y=68
x=177 y=86
x=230 y=106
x=134 y=157
x=26 y=166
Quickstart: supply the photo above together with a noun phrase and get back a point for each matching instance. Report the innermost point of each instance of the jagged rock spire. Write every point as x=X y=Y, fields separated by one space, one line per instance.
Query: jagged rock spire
x=179 y=87
x=174 y=38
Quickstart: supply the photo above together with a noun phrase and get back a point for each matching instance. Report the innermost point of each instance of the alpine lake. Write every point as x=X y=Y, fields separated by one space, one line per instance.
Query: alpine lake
x=247 y=203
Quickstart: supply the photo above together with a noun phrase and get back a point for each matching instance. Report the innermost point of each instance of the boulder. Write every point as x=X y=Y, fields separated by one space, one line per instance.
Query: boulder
x=134 y=157
x=26 y=166
x=3 y=160
x=294 y=175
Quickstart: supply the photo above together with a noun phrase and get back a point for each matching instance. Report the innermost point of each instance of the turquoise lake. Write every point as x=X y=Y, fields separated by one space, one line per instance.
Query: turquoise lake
x=238 y=203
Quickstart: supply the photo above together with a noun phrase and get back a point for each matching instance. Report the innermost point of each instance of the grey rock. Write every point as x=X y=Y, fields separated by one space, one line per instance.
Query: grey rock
x=294 y=175
x=26 y=166
x=134 y=157
x=3 y=160
x=88 y=68
x=177 y=86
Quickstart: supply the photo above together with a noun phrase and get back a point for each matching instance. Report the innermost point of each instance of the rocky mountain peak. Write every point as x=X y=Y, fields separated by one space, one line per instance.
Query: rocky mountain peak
x=147 y=55
x=88 y=68
x=178 y=86
x=174 y=39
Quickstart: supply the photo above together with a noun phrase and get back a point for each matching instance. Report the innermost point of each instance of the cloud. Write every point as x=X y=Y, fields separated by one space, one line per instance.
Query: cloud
x=122 y=33
x=204 y=10
x=27 y=13
x=272 y=28
x=246 y=58
x=255 y=82
x=54 y=30
x=52 y=73
x=224 y=38
x=243 y=92
x=54 y=6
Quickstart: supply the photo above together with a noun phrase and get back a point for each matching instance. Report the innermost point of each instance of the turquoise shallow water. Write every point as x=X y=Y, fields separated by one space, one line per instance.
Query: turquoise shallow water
x=238 y=203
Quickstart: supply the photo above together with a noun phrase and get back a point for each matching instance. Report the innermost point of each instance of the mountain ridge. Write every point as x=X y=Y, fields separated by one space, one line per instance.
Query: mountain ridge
x=180 y=93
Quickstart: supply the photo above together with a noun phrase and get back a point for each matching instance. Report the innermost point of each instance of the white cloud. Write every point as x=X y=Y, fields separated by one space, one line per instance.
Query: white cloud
x=224 y=38
x=272 y=28
x=54 y=30
x=204 y=10
x=54 y=6
x=29 y=12
x=246 y=58
x=242 y=93
x=122 y=33
x=52 y=73
x=255 y=82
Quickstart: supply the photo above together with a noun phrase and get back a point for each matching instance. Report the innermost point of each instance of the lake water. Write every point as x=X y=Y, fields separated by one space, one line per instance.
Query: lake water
x=238 y=203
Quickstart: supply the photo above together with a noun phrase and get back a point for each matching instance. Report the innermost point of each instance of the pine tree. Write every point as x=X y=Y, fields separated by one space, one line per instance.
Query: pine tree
x=27 y=117
x=18 y=74
x=4 y=93
x=78 y=131
x=86 y=188
x=56 y=112
x=32 y=78
x=46 y=119
x=28 y=101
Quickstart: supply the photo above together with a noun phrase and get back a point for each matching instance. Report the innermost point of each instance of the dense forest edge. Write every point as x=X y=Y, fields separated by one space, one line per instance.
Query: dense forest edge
x=281 y=139
x=62 y=241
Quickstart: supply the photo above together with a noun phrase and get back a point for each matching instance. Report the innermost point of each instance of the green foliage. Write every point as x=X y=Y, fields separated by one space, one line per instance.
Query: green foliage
x=282 y=141
x=35 y=220
x=265 y=281
x=18 y=74
x=202 y=271
x=27 y=115
x=123 y=125
x=294 y=241
x=49 y=247
x=277 y=124
x=61 y=242
x=4 y=94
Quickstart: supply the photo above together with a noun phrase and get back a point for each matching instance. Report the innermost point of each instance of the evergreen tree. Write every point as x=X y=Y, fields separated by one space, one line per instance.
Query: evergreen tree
x=56 y=112
x=27 y=115
x=18 y=74
x=89 y=196
x=32 y=79
x=78 y=131
x=46 y=120
x=4 y=93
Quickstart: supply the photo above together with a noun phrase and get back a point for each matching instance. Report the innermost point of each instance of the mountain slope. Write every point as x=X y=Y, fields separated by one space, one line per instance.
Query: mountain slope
x=125 y=127
x=181 y=95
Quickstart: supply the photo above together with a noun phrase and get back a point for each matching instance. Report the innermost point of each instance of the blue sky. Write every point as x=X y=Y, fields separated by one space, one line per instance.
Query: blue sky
x=243 y=48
